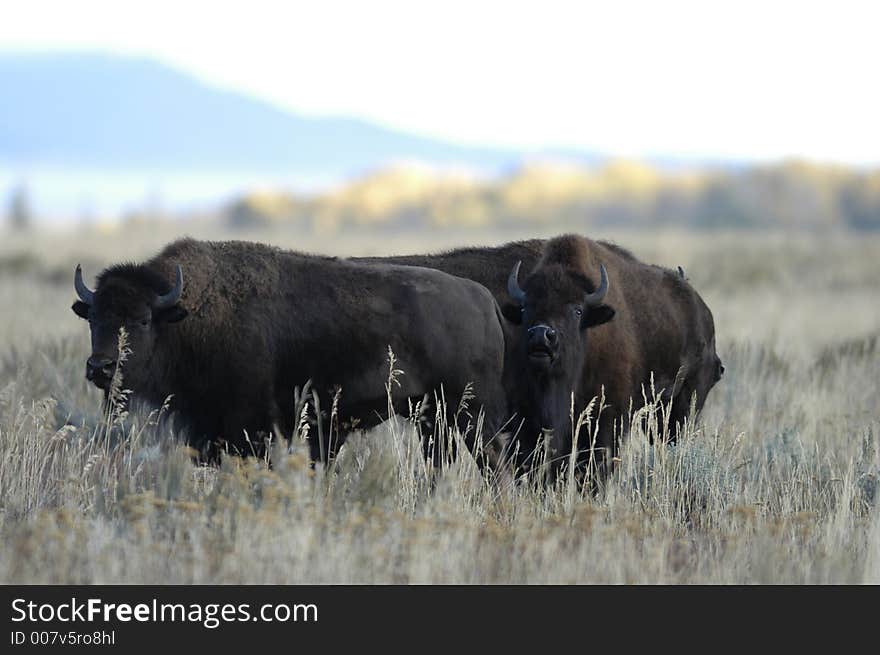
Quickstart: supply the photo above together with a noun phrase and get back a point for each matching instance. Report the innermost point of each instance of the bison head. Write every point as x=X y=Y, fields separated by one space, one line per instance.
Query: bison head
x=135 y=298
x=554 y=308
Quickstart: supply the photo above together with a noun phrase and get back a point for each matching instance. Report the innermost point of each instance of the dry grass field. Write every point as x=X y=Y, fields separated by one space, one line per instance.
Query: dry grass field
x=777 y=482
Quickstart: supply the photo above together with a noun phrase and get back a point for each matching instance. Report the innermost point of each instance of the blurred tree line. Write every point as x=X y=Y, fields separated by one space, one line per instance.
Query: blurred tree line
x=791 y=195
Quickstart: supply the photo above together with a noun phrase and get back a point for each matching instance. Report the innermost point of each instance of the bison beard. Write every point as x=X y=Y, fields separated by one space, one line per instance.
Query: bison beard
x=253 y=323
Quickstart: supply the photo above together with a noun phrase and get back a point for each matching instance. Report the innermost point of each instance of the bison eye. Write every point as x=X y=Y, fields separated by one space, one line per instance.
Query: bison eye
x=578 y=311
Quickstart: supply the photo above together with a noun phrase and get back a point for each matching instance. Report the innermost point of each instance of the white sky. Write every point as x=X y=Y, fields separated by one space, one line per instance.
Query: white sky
x=753 y=80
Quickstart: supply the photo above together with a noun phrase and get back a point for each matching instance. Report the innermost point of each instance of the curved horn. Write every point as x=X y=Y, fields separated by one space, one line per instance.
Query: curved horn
x=85 y=294
x=598 y=295
x=513 y=288
x=170 y=298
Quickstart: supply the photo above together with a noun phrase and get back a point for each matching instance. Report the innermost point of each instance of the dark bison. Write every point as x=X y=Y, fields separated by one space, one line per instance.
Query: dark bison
x=593 y=317
x=230 y=329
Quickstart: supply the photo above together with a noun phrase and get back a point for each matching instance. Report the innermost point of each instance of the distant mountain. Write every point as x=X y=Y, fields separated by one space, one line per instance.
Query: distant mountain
x=110 y=112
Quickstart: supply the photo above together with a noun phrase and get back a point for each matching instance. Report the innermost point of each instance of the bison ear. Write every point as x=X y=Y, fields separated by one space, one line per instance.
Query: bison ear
x=80 y=309
x=596 y=316
x=512 y=313
x=173 y=314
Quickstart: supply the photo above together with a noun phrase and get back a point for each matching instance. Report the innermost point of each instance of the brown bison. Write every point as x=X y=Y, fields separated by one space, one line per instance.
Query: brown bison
x=230 y=329
x=593 y=318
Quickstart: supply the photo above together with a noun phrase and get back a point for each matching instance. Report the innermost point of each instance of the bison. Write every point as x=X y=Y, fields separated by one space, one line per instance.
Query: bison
x=594 y=321
x=230 y=329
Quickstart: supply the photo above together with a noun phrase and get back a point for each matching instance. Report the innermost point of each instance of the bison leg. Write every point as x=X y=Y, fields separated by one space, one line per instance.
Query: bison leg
x=325 y=439
x=482 y=437
x=433 y=425
x=597 y=454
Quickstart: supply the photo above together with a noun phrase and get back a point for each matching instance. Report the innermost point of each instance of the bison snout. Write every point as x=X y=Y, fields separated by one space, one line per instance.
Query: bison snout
x=100 y=369
x=543 y=341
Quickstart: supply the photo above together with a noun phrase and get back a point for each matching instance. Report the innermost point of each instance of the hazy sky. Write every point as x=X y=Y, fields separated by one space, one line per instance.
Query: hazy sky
x=736 y=79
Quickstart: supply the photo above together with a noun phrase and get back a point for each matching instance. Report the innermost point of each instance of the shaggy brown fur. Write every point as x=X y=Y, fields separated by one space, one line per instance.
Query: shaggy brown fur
x=254 y=322
x=660 y=326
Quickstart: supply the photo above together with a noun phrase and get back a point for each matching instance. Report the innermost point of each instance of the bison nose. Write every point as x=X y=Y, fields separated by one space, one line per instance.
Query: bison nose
x=543 y=335
x=99 y=366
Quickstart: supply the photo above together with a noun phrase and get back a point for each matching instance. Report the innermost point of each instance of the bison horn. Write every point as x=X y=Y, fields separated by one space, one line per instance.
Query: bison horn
x=598 y=295
x=85 y=294
x=170 y=298
x=513 y=288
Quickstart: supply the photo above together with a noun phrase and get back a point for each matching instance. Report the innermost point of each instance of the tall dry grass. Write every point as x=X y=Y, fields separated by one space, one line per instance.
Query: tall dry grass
x=777 y=483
